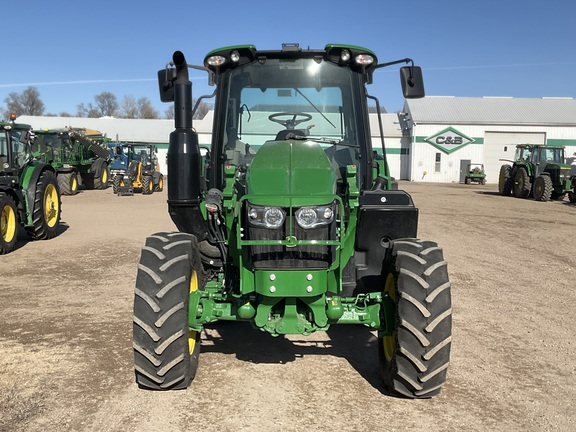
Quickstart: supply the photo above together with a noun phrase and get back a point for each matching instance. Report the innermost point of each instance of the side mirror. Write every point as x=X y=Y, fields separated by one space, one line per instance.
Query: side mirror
x=412 y=82
x=166 y=78
x=24 y=137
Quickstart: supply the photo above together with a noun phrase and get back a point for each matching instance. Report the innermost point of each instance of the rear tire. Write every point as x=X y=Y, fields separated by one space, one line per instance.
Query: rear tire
x=543 y=188
x=159 y=187
x=522 y=184
x=46 y=209
x=572 y=197
x=505 y=182
x=166 y=352
x=8 y=224
x=415 y=358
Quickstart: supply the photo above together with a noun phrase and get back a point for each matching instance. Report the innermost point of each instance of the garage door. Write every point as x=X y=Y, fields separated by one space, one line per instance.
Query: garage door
x=502 y=145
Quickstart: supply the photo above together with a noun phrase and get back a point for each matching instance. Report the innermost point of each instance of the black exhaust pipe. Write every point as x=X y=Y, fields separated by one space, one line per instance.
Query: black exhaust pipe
x=184 y=159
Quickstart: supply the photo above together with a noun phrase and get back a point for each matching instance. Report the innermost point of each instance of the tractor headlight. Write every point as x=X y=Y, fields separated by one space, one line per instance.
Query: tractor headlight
x=216 y=60
x=312 y=217
x=268 y=217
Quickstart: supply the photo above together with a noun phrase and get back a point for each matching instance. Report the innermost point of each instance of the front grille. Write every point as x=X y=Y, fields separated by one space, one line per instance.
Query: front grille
x=300 y=256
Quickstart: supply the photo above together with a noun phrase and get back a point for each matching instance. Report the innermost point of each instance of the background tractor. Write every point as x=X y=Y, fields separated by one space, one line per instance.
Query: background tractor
x=290 y=222
x=136 y=166
x=475 y=174
x=537 y=170
x=79 y=156
x=29 y=195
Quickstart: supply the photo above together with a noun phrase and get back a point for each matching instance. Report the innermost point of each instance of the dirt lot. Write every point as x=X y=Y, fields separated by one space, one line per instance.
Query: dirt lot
x=66 y=349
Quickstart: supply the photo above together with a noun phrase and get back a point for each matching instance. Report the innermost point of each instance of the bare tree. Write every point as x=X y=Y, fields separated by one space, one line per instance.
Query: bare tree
x=169 y=113
x=129 y=107
x=105 y=105
x=145 y=109
x=26 y=103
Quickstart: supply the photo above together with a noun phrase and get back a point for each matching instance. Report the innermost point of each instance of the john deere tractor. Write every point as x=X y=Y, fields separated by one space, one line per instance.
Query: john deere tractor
x=290 y=222
x=79 y=156
x=136 y=166
x=537 y=170
x=29 y=195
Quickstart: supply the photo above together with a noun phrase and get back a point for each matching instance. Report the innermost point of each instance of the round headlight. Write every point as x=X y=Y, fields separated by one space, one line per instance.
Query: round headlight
x=273 y=217
x=306 y=217
x=328 y=214
x=253 y=214
x=235 y=56
x=345 y=56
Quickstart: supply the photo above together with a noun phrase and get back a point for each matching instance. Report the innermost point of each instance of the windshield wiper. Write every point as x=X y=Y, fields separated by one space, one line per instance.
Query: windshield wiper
x=315 y=107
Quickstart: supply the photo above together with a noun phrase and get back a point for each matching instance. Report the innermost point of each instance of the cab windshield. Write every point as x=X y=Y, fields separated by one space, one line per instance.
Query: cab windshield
x=303 y=99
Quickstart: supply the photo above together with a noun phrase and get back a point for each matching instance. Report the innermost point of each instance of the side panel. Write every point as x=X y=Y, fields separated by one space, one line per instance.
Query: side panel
x=382 y=216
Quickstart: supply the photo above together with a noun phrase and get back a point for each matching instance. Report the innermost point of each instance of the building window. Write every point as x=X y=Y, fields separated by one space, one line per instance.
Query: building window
x=438 y=162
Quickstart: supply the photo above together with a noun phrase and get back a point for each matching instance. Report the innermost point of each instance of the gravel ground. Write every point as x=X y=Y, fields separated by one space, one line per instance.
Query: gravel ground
x=66 y=349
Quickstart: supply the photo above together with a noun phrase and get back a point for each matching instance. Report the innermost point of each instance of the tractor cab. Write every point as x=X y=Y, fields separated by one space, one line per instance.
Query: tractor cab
x=15 y=147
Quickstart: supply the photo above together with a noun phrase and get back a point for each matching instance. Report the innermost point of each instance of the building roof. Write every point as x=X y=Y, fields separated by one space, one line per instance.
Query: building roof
x=493 y=110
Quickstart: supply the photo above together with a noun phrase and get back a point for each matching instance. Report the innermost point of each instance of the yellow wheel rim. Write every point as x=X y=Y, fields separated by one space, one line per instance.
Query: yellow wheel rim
x=104 y=176
x=51 y=205
x=151 y=186
x=389 y=342
x=192 y=334
x=8 y=224
x=74 y=183
x=161 y=183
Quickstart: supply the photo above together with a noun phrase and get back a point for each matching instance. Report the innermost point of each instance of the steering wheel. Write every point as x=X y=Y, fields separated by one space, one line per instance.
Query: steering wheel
x=292 y=122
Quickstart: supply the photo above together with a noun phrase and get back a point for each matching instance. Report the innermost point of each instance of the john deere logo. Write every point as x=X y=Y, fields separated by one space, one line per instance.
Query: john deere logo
x=449 y=140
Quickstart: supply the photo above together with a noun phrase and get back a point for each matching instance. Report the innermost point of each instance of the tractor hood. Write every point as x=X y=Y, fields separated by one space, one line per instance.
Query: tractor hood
x=291 y=169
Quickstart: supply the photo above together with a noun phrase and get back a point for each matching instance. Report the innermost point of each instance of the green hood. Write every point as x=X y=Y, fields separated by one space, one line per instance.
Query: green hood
x=291 y=169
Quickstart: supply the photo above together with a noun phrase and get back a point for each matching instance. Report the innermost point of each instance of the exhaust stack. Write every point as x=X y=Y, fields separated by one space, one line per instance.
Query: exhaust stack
x=184 y=159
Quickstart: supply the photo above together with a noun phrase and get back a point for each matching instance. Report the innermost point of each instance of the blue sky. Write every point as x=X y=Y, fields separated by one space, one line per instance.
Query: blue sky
x=72 y=50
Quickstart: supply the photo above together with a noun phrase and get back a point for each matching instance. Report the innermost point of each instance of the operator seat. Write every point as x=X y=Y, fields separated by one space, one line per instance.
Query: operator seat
x=284 y=134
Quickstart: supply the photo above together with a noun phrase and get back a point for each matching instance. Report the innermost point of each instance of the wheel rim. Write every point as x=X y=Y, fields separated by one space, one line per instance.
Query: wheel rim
x=151 y=186
x=104 y=176
x=51 y=205
x=161 y=183
x=8 y=224
x=73 y=183
x=389 y=342
x=192 y=334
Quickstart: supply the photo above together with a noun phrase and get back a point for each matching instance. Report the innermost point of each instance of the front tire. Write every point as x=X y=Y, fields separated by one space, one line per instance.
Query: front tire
x=543 y=188
x=46 y=209
x=116 y=180
x=159 y=187
x=147 y=185
x=414 y=358
x=8 y=224
x=103 y=171
x=166 y=352
x=68 y=183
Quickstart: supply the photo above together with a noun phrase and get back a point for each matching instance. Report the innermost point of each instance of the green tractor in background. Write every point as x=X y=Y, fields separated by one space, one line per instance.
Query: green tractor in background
x=537 y=170
x=475 y=174
x=79 y=156
x=290 y=222
x=29 y=194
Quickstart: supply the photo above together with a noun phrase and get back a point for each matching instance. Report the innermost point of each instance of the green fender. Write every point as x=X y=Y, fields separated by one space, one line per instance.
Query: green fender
x=28 y=182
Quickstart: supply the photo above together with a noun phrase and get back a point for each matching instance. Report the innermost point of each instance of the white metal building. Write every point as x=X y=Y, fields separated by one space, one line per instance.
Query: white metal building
x=446 y=133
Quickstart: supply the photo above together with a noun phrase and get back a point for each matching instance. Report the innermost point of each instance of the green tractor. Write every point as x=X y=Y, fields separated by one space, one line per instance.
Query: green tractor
x=475 y=174
x=290 y=222
x=79 y=156
x=537 y=170
x=29 y=195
